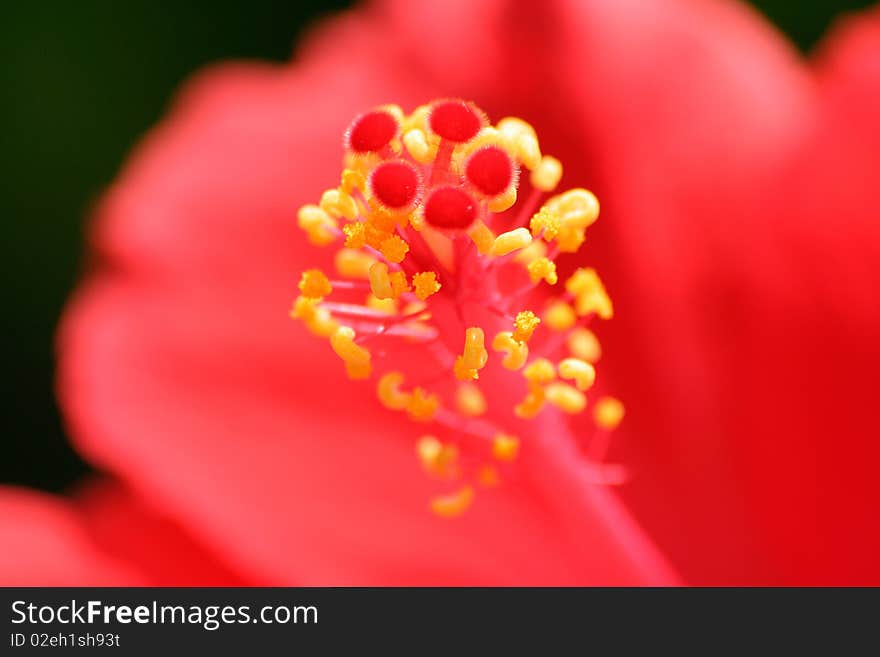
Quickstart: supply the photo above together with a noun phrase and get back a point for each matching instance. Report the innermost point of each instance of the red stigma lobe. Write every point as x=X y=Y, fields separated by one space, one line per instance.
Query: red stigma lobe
x=490 y=170
x=450 y=207
x=455 y=120
x=371 y=132
x=395 y=184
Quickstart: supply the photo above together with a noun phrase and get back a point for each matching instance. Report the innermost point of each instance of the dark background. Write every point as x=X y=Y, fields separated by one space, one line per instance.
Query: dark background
x=81 y=83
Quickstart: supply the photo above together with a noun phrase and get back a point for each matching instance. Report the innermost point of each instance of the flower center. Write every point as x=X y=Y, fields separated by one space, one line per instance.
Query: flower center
x=439 y=274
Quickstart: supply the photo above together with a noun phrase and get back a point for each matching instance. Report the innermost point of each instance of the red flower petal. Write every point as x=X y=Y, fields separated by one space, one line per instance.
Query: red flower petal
x=178 y=366
x=122 y=526
x=46 y=543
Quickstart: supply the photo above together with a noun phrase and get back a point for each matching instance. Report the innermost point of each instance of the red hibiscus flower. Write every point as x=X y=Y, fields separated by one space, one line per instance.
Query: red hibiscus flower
x=738 y=239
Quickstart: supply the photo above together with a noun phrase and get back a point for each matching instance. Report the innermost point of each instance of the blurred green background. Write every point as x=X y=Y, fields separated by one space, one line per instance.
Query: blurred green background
x=81 y=82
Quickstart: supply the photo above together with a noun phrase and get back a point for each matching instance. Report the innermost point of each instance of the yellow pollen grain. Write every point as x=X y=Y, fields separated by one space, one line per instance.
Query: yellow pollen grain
x=355 y=235
x=511 y=241
x=389 y=392
x=394 y=248
x=505 y=447
x=351 y=263
x=422 y=405
x=399 y=284
x=565 y=397
x=516 y=352
x=356 y=358
x=473 y=357
x=579 y=371
x=547 y=174
x=560 y=316
x=608 y=412
x=544 y=223
x=540 y=371
x=454 y=504
x=314 y=284
x=584 y=344
x=543 y=269
x=425 y=284
x=482 y=237
x=576 y=208
x=470 y=401
x=319 y=226
x=524 y=325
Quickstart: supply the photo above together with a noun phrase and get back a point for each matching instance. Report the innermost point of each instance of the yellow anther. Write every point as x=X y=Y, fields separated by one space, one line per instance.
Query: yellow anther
x=474 y=355
x=425 y=284
x=524 y=325
x=482 y=237
x=380 y=281
x=565 y=397
x=314 y=284
x=383 y=220
x=511 y=241
x=590 y=294
x=546 y=221
x=385 y=285
x=394 y=248
x=355 y=357
x=488 y=476
x=422 y=405
x=608 y=412
x=352 y=263
x=584 y=344
x=505 y=447
x=374 y=236
x=522 y=139
x=399 y=284
x=389 y=392
x=539 y=372
x=454 y=504
x=469 y=400
x=437 y=458
x=416 y=143
x=387 y=306
x=318 y=225
x=577 y=208
x=560 y=316
x=352 y=180
x=418 y=119
x=417 y=220
x=547 y=174
x=543 y=268
x=504 y=201
x=355 y=235
x=531 y=405
x=337 y=203
x=318 y=320
x=537 y=249
x=516 y=352
x=579 y=371
x=570 y=239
